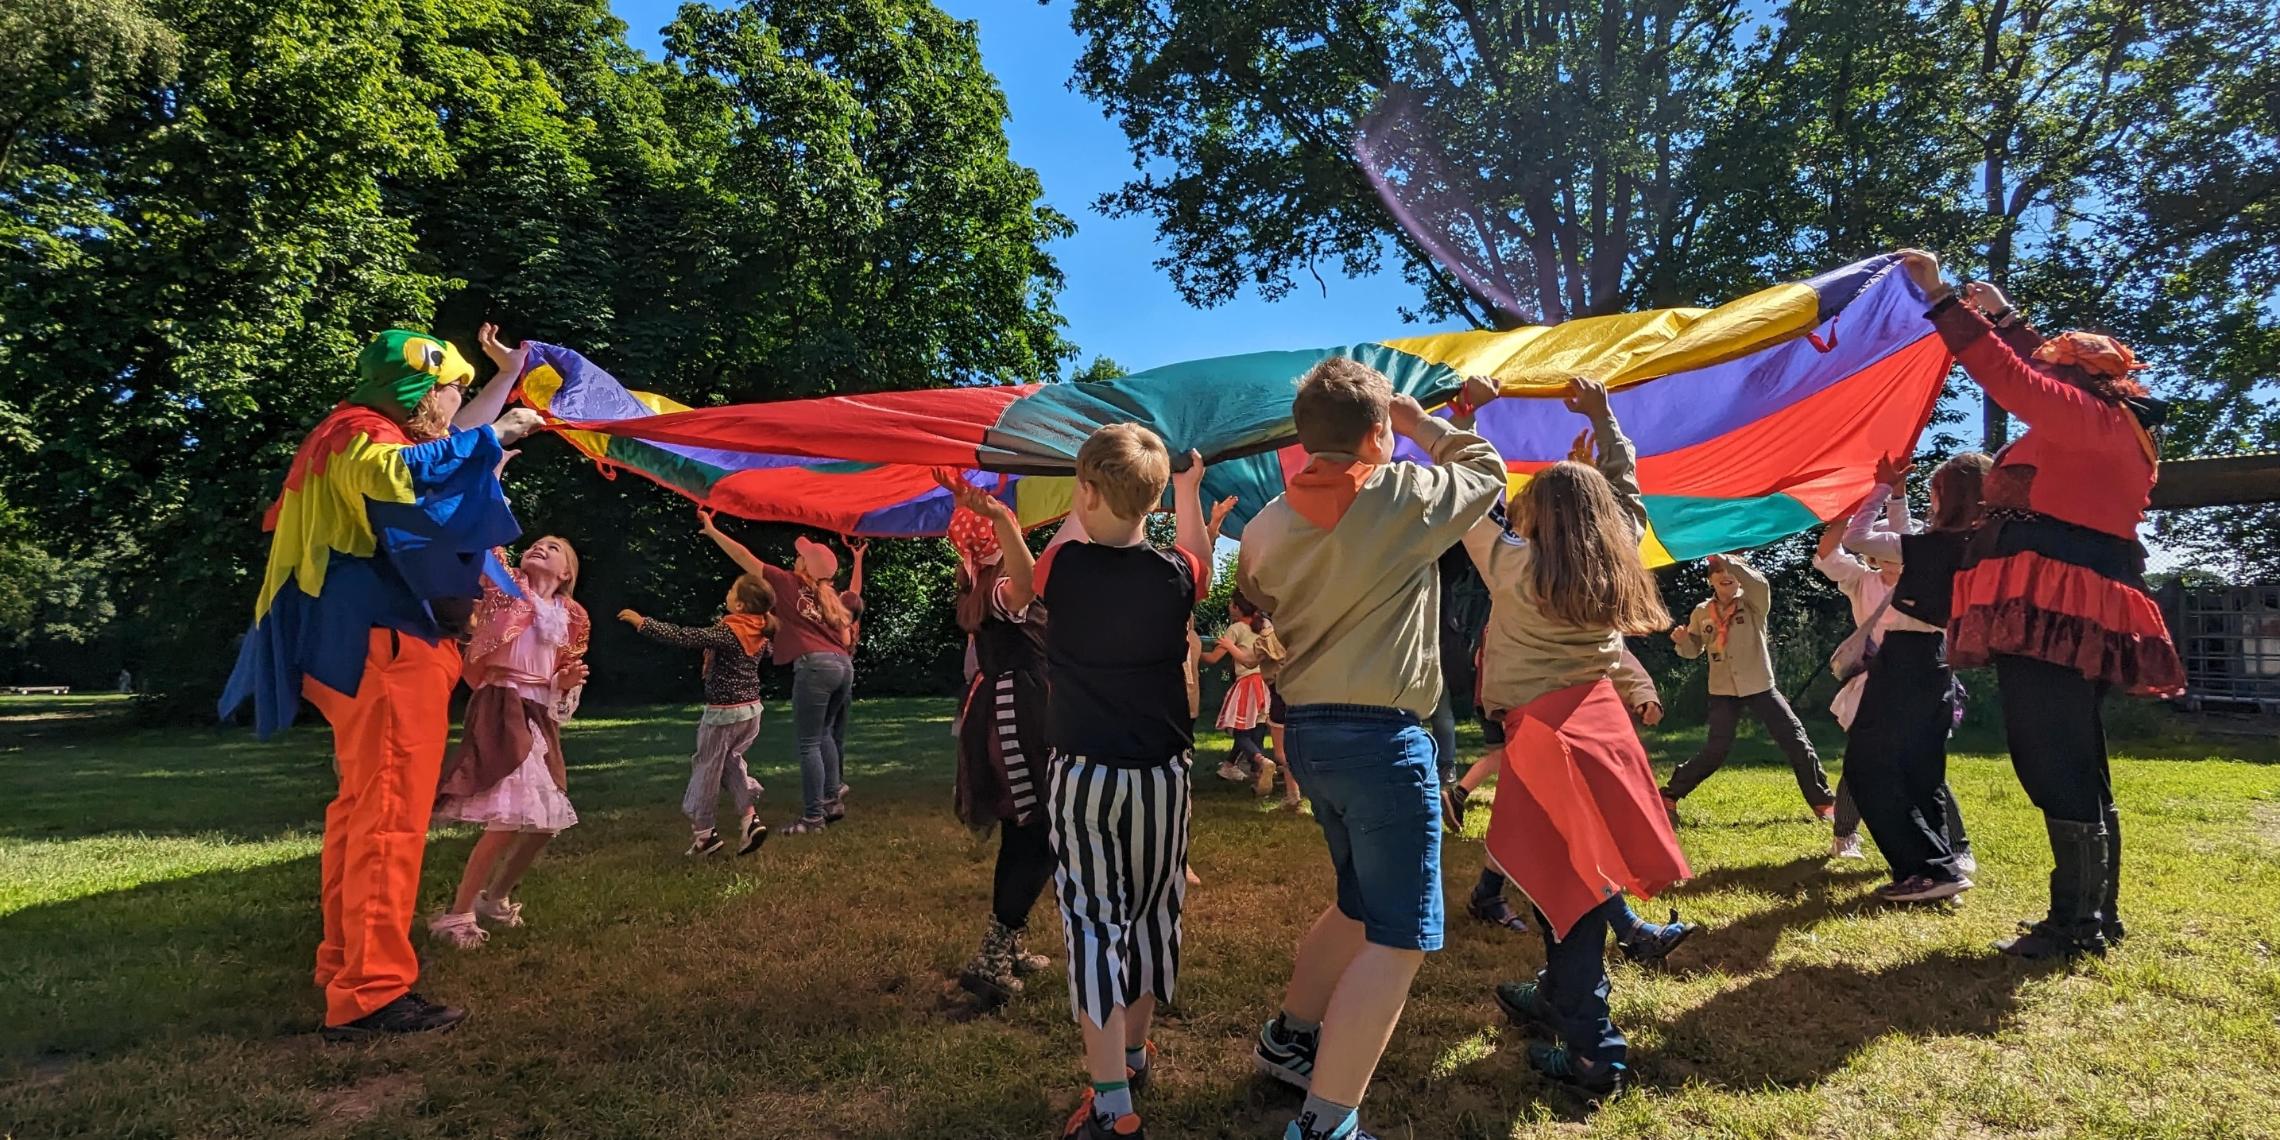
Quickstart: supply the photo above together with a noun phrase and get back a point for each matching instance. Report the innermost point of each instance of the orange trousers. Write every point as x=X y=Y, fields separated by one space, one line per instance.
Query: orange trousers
x=388 y=745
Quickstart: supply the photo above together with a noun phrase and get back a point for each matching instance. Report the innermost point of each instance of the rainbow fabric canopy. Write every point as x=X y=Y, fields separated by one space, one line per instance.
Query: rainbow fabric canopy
x=1753 y=420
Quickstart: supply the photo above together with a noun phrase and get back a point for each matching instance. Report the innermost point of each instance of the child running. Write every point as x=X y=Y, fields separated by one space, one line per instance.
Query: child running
x=1115 y=717
x=525 y=668
x=1577 y=821
x=1345 y=560
x=1244 y=710
x=733 y=647
x=1730 y=627
x=812 y=623
x=1001 y=732
x=1896 y=753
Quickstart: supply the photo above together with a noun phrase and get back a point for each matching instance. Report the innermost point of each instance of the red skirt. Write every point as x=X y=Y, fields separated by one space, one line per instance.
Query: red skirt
x=1246 y=703
x=1578 y=818
x=2027 y=605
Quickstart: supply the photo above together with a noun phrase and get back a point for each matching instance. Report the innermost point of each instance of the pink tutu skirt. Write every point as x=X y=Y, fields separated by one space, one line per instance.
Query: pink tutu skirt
x=526 y=800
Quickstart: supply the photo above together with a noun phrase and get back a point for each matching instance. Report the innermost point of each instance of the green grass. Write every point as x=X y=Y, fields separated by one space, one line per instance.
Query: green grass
x=157 y=916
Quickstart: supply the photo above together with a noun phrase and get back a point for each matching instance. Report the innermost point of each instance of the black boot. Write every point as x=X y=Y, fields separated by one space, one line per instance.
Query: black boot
x=2109 y=911
x=2077 y=884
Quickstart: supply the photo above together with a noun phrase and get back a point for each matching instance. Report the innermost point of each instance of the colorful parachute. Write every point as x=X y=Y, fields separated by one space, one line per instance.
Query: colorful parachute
x=1753 y=420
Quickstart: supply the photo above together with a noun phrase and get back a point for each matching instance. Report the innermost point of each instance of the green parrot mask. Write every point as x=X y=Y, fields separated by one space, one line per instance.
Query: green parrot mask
x=399 y=368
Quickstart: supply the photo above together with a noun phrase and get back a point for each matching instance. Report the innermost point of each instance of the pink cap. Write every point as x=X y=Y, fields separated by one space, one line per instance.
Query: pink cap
x=822 y=554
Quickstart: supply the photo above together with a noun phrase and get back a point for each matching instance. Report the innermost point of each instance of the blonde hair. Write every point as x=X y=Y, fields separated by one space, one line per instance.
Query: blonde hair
x=1586 y=571
x=427 y=421
x=1340 y=403
x=1128 y=466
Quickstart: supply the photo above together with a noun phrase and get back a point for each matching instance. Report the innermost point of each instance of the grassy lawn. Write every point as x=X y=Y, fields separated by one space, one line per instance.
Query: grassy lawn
x=157 y=916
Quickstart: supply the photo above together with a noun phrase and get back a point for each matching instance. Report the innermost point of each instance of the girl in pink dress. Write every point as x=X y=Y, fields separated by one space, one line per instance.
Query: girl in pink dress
x=526 y=668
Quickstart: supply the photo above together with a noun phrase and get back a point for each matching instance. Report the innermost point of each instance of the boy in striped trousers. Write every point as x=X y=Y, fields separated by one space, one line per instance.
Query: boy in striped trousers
x=1116 y=648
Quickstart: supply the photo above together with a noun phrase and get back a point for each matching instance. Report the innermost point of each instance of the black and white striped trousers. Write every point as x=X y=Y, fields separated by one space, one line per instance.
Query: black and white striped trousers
x=1121 y=837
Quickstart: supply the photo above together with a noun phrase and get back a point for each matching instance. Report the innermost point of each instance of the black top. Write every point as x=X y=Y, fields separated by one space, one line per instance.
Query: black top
x=1928 y=563
x=1116 y=651
x=732 y=676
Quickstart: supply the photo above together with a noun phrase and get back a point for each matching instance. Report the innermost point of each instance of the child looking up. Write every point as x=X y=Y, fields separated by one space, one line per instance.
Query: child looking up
x=1116 y=717
x=1577 y=821
x=1730 y=627
x=1345 y=560
x=733 y=647
x=525 y=667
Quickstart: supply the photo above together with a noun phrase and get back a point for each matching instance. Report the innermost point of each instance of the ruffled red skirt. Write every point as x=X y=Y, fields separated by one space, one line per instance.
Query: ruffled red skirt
x=2026 y=604
x=1578 y=818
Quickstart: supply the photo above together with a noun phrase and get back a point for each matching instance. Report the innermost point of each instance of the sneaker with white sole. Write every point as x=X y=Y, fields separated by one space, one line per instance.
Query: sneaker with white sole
x=1965 y=863
x=458 y=931
x=705 y=843
x=1287 y=1056
x=1922 y=888
x=498 y=912
x=1846 y=847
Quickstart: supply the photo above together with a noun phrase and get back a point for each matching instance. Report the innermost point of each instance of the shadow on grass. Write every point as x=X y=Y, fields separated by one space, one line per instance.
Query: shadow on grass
x=1756 y=1035
x=1806 y=889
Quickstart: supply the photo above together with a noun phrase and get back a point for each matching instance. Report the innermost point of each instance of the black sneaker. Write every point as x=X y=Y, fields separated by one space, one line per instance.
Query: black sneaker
x=755 y=834
x=410 y=1013
x=1921 y=889
x=1523 y=1002
x=1596 y=1082
x=705 y=843
x=1497 y=911
x=1654 y=943
x=1287 y=1057
x=1453 y=800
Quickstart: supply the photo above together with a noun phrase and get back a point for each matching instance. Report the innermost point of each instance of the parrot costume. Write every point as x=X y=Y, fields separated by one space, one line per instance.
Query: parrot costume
x=378 y=546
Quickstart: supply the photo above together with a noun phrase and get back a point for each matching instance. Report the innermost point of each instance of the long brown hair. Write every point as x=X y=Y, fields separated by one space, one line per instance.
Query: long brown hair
x=974 y=594
x=1958 y=486
x=1586 y=570
x=835 y=612
x=758 y=599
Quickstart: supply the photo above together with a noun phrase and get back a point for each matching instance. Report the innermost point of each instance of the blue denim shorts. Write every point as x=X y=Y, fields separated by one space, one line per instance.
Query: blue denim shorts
x=1370 y=772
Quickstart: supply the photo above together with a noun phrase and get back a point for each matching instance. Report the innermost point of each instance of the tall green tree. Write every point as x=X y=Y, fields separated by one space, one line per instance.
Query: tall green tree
x=801 y=198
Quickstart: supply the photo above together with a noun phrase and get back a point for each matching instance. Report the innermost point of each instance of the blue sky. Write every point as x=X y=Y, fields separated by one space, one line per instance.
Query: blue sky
x=1117 y=302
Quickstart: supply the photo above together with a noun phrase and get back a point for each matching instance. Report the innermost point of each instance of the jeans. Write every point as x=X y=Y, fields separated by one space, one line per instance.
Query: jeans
x=1251 y=740
x=1574 y=982
x=822 y=684
x=1370 y=774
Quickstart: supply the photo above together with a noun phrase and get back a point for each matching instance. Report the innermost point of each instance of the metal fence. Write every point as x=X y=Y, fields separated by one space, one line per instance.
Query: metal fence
x=2229 y=637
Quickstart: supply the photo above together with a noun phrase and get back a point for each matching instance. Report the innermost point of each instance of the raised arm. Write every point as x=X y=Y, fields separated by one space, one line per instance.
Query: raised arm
x=1997 y=366
x=1618 y=458
x=856 y=548
x=1187 y=507
x=1757 y=593
x=745 y=560
x=492 y=400
x=1868 y=533
x=1020 y=566
x=1465 y=480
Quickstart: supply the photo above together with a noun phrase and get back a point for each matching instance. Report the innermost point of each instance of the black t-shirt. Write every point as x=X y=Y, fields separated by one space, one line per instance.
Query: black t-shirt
x=1116 y=651
x=1928 y=564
